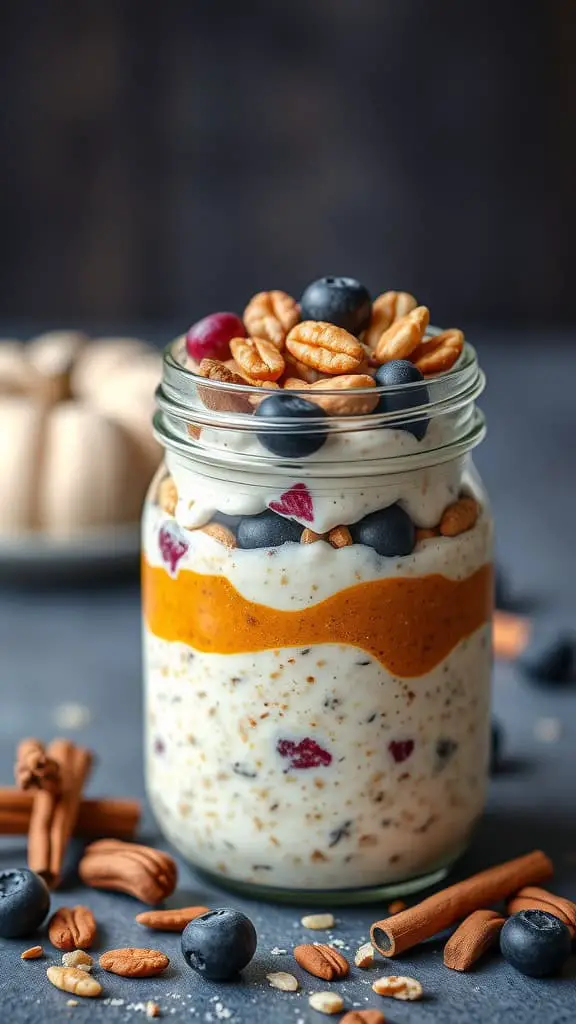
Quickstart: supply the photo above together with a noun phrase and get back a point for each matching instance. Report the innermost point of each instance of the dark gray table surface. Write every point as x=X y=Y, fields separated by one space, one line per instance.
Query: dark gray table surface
x=82 y=647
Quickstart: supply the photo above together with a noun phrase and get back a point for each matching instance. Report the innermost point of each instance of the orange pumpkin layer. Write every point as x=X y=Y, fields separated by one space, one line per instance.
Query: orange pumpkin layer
x=408 y=624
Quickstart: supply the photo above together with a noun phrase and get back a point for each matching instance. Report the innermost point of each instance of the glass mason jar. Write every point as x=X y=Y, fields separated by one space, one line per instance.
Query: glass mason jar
x=317 y=608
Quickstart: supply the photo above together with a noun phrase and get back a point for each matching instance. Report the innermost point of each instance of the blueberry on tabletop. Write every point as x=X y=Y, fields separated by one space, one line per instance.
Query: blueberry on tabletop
x=342 y=301
x=210 y=337
x=24 y=902
x=219 y=944
x=296 y=439
x=535 y=943
x=396 y=373
x=390 y=531
x=267 y=530
x=550 y=654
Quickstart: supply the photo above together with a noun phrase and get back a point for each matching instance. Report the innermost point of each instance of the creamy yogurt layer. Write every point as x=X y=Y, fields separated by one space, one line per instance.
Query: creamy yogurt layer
x=315 y=767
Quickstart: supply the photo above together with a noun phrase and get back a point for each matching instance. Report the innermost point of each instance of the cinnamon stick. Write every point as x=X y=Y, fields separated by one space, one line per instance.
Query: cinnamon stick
x=394 y=935
x=117 y=818
x=33 y=769
x=474 y=937
x=75 y=764
x=510 y=635
x=533 y=898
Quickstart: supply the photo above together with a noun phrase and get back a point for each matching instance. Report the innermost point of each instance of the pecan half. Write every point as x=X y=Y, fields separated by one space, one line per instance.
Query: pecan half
x=170 y=920
x=134 y=963
x=271 y=315
x=438 y=354
x=308 y=536
x=71 y=979
x=258 y=358
x=72 y=928
x=325 y=347
x=387 y=308
x=140 y=871
x=346 y=403
x=221 y=400
x=363 y=1017
x=404 y=335
x=321 y=961
x=34 y=953
x=459 y=517
x=297 y=372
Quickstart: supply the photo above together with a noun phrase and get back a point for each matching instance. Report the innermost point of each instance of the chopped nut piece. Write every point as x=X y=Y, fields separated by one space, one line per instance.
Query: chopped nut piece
x=398 y=987
x=326 y=1002
x=284 y=981
x=152 y=1009
x=77 y=958
x=318 y=922
x=71 y=1002
x=364 y=956
x=340 y=537
x=70 y=979
x=34 y=953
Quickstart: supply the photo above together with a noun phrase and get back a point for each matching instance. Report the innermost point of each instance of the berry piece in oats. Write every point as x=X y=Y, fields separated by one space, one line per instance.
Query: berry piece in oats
x=294 y=438
x=305 y=753
x=219 y=944
x=267 y=530
x=24 y=902
x=401 y=749
x=297 y=502
x=535 y=943
x=341 y=301
x=172 y=545
x=210 y=337
x=390 y=531
x=400 y=375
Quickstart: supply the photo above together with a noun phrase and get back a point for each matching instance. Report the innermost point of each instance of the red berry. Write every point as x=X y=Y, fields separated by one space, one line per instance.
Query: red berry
x=305 y=754
x=210 y=337
x=401 y=749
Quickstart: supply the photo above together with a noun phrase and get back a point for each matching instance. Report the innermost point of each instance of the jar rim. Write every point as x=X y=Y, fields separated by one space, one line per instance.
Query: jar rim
x=190 y=407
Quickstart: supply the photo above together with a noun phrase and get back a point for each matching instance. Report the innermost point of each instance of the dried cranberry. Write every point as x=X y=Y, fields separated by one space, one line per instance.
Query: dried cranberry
x=296 y=502
x=304 y=754
x=172 y=545
x=210 y=338
x=401 y=749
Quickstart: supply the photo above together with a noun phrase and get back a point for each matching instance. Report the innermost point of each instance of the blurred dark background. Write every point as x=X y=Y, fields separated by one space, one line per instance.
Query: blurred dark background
x=160 y=160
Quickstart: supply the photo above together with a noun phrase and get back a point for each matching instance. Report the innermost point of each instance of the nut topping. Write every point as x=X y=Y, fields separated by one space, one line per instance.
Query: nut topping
x=400 y=340
x=398 y=987
x=364 y=956
x=438 y=354
x=459 y=517
x=170 y=920
x=325 y=347
x=271 y=315
x=387 y=308
x=258 y=358
x=221 y=401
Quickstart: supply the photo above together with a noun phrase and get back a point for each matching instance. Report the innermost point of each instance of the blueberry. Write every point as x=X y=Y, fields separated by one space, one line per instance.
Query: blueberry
x=550 y=655
x=296 y=439
x=24 y=902
x=496 y=744
x=396 y=373
x=535 y=943
x=389 y=531
x=219 y=944
x=267 y=530
x=338 y=300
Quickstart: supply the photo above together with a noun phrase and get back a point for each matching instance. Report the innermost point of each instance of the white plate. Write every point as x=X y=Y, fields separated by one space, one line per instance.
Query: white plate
x=36 y=557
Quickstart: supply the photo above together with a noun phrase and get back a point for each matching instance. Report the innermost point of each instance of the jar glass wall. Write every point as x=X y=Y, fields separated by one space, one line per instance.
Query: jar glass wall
x=317 y=640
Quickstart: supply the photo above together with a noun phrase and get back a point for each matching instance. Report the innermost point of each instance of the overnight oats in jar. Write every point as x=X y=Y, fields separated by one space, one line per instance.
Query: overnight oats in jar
x=317 y=588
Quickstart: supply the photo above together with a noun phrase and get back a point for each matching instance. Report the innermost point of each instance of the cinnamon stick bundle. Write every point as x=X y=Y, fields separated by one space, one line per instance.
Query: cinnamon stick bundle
x=53 y=818
x=34 y=769
x=395 y=934
x=114 y=818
